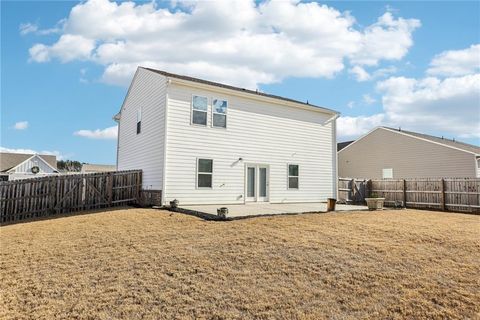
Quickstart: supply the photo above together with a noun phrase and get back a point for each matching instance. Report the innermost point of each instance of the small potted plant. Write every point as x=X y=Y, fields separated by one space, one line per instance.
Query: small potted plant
x=174 y=204
x=222 y=212
x=374 y=202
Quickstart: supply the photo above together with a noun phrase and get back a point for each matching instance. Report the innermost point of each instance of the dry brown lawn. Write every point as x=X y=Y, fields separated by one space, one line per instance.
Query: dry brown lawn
x=151 y=264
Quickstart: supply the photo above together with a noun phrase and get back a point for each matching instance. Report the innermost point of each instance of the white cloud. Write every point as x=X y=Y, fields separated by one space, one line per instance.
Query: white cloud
x=351 y=104
x=456 y=62
x=356 y=126
x=30 y=151
x=21 y=125
x=360 y=73
x=451 y=104
x=430 y=104
x=67 y=48
x=367 y=99
x=107 y=133
x=387 y=39
x=26 y=28
x=237 y=42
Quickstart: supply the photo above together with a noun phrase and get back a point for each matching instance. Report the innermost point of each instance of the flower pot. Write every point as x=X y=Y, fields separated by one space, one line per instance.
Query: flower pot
x=222 y=212
x=331 y=204
x=375 y=203
x=174 y=204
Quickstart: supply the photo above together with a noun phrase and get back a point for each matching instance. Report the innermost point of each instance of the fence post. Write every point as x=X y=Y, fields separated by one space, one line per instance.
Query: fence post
x=442 y=199
x=404 y=193
x=110 y=188
x=53 y=194
x=139 y=187
x=352 y=196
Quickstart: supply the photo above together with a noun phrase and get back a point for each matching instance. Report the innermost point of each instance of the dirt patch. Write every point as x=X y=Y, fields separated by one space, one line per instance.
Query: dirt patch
x=150 y=264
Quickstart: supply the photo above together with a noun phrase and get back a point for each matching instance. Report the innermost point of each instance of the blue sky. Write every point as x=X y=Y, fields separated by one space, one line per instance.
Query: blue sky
x=65 y=71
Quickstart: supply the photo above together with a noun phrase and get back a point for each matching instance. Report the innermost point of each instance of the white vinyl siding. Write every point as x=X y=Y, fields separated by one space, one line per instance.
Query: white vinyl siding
x=258 y=132
x=146 y=150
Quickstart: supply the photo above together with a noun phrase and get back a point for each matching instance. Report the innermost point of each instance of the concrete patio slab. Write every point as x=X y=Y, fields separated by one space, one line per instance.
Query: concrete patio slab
x=259 y=209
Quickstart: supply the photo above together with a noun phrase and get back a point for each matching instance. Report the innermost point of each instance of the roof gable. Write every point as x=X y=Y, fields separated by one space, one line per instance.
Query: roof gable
x=9 y=160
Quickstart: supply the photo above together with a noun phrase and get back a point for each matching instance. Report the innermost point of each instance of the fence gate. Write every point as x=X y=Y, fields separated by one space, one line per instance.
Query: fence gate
x=352 y=191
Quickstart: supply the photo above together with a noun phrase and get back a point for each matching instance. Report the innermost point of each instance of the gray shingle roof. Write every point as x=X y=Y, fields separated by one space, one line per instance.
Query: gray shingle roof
x=342 y=145
x=225 y=86
x=452 y=143
x=9 y=160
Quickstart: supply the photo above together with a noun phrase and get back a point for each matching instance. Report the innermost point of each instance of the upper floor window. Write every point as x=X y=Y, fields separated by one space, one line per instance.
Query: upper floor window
x=139 y=121
x=293 y=176
x=219 y=113
x=199 y=110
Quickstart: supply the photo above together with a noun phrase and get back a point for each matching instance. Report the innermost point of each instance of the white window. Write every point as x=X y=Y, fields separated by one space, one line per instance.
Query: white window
x=204 y=173
x=199 y=110
x=219 y=113
x=139 y=121
x=293 y=174
x=387 y=173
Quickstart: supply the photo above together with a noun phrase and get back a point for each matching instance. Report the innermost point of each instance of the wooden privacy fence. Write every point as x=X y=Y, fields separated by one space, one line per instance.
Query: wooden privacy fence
x=47 y=196
x=448 y=194
x=454 y=194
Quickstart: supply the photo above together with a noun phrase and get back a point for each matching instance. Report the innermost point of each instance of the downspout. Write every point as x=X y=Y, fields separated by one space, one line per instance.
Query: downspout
x=165 y=142
x=333 y=120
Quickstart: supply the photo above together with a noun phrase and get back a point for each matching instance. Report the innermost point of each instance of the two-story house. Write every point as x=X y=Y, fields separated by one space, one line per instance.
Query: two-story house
x=202 y=142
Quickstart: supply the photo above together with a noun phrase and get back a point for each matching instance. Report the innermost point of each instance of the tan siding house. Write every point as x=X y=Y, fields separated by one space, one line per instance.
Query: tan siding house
x=391 y=153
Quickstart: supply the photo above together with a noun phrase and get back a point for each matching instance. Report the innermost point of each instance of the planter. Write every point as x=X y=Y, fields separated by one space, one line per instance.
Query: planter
x=222 y=212
x=375 y=203
x=331 y=204
x=174 y=204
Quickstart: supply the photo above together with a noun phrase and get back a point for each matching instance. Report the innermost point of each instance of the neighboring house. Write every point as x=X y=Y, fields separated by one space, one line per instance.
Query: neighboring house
x=342 y=145
x=14 y=166
x=94 y=168
x=390 y=153
x=202 y=142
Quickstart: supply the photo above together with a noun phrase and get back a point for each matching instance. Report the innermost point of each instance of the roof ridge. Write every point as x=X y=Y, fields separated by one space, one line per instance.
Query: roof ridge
x=231 y=87
x=425 y=135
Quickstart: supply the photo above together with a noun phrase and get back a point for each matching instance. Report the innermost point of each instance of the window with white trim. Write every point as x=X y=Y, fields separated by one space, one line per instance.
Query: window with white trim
x=139 y=121
x=293 y=176
x=199 y=110
x=204 y=173
x=219 y=113
x=387 y=173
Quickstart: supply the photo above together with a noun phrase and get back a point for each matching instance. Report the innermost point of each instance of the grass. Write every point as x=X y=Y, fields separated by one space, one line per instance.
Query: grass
x=151 y=264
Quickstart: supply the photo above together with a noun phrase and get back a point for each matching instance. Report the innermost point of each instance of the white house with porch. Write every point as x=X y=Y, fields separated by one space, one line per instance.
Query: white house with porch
x=202 y=142
x=15 y=166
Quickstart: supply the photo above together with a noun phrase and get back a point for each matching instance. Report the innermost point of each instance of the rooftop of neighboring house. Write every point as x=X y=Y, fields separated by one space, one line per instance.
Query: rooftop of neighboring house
x=10 y=160
x=87 y=167
x=449 y=142
x=342 y=145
